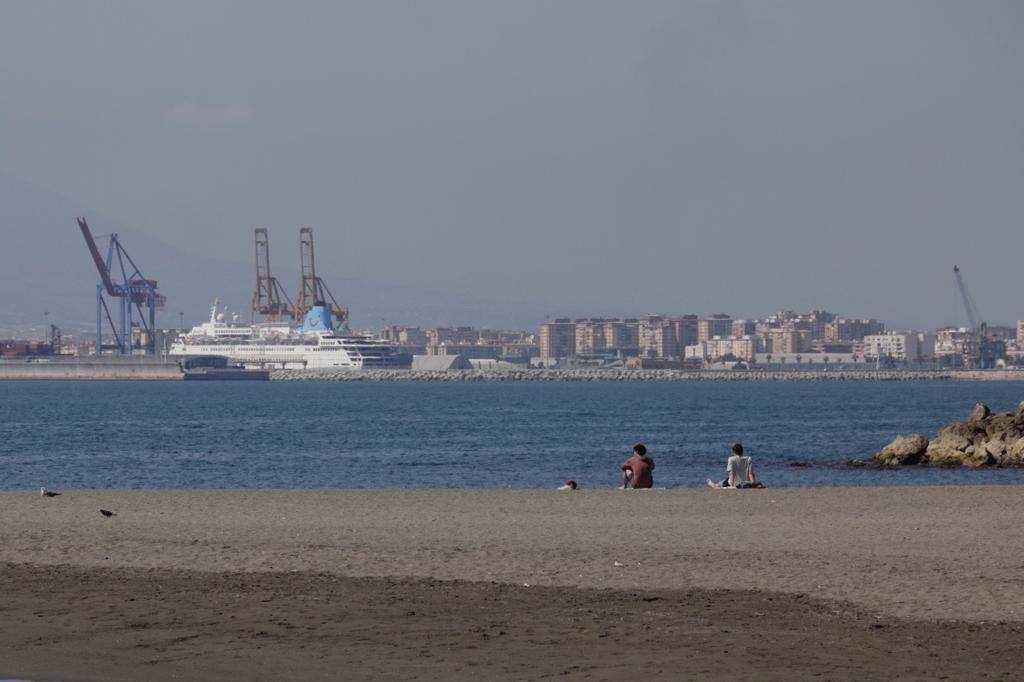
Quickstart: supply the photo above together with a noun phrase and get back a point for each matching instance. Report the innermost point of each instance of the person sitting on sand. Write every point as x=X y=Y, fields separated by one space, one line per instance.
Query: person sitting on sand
x=637 y=470
x=740 y=471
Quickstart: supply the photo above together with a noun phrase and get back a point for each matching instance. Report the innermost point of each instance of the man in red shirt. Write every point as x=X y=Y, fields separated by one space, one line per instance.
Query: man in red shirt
x=639 y=468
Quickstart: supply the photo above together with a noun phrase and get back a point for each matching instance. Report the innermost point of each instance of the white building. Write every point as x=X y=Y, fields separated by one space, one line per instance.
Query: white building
x=740 y=347
x=953 y=340
x=715 y=348
x=900 y=346
x=695 y=352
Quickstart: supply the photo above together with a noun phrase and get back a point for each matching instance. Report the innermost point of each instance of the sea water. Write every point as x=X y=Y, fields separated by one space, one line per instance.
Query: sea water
x=66 y=435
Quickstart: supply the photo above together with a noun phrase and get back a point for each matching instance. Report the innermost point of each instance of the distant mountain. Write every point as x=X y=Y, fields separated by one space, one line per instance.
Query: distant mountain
x=45 y=267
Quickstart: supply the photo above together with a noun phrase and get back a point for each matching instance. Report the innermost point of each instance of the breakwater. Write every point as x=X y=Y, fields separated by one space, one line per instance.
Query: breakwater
x=601 y=375
x=988 y=375
x=91 y=369
x=150 y=369
x=985 y=439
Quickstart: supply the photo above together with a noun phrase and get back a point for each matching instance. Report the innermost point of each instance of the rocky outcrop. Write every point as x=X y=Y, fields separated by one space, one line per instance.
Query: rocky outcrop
x=979 y=413
x=985 y=439
x=943 y=455
x=1014 y=454
x=902 y=450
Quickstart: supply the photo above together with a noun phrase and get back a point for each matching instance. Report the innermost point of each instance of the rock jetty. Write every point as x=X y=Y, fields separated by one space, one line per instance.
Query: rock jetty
x=598 y=375
x=985 y=439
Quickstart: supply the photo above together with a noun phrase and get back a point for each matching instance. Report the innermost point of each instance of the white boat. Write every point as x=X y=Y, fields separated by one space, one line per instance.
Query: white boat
x=316 y=344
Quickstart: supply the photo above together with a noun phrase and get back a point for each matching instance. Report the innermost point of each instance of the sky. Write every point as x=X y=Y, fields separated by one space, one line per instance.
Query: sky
x=485 y=162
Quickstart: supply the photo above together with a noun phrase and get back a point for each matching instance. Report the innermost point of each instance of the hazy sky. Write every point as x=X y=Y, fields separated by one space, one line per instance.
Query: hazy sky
x=567 y=157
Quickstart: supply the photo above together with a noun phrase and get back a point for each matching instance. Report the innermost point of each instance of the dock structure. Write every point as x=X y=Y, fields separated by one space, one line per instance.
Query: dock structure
x=107 y=367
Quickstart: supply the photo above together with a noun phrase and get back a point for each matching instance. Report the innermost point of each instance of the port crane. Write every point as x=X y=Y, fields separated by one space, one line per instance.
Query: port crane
x=970 y=307
x=973 y=348
x=123 y=282
x=269 y=298
x=312 y=289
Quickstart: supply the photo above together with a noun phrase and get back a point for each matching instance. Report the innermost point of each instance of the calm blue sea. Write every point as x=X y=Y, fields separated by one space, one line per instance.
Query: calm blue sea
x=174 y=434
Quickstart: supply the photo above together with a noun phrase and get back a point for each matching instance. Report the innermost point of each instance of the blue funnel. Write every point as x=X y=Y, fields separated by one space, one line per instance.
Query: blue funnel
x=318 y=319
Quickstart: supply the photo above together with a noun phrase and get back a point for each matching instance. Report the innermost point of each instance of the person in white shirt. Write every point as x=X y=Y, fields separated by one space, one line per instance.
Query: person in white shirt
x=740 y=470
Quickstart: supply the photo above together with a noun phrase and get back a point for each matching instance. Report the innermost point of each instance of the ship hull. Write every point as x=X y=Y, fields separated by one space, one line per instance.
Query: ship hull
x=297 y=356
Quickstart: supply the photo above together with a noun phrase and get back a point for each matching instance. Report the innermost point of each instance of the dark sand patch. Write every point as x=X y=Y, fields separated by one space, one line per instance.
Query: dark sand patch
x=80 y=623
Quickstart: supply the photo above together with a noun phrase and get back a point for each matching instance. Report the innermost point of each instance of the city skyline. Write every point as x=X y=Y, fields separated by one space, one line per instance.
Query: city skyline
x=816 y=337
x=170 y=318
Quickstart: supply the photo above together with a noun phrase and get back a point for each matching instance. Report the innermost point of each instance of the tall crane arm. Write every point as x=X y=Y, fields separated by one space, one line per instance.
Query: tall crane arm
x=98 y=259
x=973 y=317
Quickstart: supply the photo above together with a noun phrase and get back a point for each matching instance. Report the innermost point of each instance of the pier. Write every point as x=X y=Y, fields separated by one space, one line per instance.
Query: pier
x=112 y=367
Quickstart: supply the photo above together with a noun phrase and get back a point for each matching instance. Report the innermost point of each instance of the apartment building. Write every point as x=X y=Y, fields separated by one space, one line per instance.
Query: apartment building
x=851 y=348
x=590 y=336
x=814 y=322
x=786 y=341
x=557 y=339
x=844 y=329
x=1020 y=332
x=739 y=347
x=503 y=336
x=715 y=325
x=411 y=336
x=744 y=328
x=657 y=338
x=956 y=341
x=926 y=345
x=686 y=330
x=622 y=335
x=440 y=335
x=900 y=346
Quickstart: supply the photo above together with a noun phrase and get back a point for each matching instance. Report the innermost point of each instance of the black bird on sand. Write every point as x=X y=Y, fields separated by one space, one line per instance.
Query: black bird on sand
x=48 y=493
x=106 y=513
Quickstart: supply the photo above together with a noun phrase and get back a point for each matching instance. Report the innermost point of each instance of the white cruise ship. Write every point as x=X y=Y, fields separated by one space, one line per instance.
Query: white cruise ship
x=314 y=345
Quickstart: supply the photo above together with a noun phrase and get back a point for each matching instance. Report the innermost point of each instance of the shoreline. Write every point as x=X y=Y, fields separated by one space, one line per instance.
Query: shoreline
x=140 y=370
x=645 y=375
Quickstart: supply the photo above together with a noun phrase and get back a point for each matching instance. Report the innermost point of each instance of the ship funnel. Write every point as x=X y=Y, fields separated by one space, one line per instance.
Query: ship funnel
x=318 y=319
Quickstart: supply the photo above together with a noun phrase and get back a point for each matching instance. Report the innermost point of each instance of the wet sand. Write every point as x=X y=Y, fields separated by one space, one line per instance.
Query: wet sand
x=439 y=584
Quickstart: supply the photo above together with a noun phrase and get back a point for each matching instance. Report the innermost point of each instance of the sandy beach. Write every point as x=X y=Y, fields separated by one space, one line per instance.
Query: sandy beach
x=866 y=583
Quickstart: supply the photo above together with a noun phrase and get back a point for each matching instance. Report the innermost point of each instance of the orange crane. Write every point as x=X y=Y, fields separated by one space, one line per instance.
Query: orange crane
x=269 y=298
x=312 y=289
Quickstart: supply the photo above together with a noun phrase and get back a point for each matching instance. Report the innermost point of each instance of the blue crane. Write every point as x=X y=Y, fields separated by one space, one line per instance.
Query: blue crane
x=121 y=280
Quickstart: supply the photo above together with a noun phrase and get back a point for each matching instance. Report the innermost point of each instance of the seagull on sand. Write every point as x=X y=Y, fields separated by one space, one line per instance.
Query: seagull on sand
x=48 y=493
x=106 y=513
